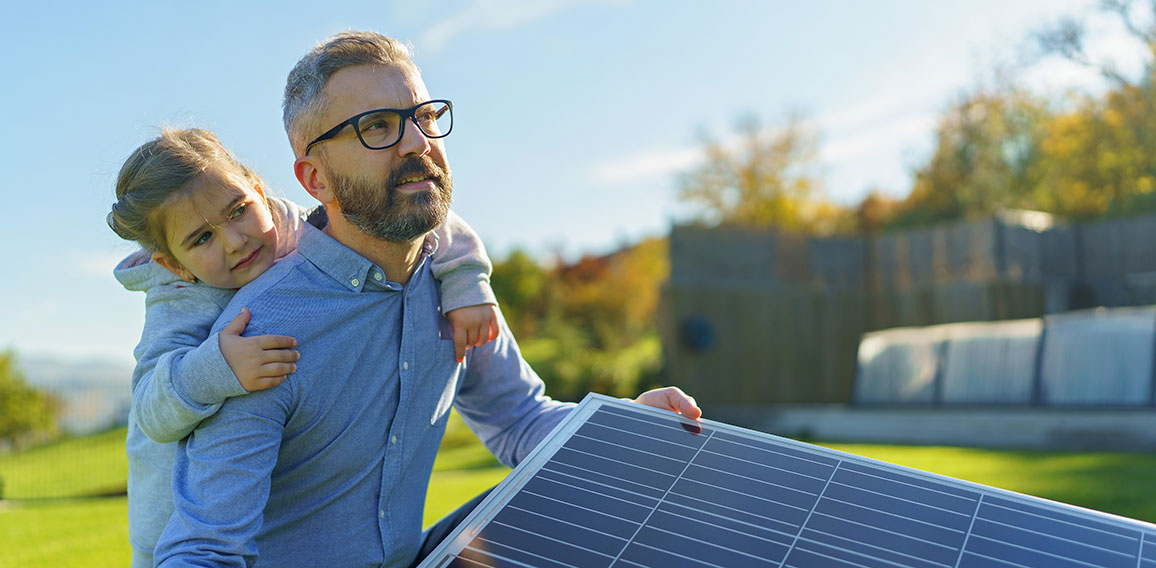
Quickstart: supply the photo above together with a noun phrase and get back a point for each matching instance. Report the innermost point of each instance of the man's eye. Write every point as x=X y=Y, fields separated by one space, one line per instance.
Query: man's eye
x=377 y=125
x=202 y=238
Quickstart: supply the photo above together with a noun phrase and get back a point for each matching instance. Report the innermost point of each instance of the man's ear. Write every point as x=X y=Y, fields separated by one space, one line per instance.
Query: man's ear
x=173 y=266
x=312 y=178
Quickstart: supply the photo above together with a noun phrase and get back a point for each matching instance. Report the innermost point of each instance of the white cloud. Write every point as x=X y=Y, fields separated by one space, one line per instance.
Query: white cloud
x=495 y=15
x=887 y=139
x=647 y=164
x=95 y=263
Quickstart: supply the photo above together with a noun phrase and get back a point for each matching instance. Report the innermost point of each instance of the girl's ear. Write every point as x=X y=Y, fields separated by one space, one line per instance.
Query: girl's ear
x=173 y=266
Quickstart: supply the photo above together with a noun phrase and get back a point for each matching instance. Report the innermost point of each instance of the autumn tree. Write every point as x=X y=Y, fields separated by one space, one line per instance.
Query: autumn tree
x=1099 y=157
x=986 y=150
x=763 y=178
x=524 y=291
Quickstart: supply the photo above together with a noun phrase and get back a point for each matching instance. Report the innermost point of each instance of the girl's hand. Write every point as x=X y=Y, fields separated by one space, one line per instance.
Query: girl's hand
x=472 y=326
x=261 y=361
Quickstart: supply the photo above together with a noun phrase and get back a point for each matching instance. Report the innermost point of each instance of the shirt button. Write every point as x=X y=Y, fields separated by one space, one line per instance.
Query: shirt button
x=381 y=514
x=405 y=365
x=377 y=276
x=393 y=439
x=355 y=282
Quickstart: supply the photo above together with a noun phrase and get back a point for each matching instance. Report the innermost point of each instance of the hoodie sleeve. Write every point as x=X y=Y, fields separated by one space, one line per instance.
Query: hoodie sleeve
x=181 y=377
x=461 y=266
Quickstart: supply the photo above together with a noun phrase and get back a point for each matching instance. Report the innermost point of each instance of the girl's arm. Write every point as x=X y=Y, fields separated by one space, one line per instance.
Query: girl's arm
x=181 y=377
x=461 y=266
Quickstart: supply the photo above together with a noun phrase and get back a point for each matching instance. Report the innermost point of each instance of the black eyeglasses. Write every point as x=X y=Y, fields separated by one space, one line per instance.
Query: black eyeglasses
x=381 y=128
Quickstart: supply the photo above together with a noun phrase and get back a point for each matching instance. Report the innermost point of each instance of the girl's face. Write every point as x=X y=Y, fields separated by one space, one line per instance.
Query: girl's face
x=220 y=231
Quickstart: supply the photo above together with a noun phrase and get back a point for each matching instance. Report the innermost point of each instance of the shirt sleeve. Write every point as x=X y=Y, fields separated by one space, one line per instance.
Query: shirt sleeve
x=181 y=377
x=221 y=482
x=503 y=400
x=461 y=265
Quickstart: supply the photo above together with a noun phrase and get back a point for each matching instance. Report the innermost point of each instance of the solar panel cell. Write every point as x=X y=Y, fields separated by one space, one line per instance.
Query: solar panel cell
x=580 y=507
x=625 y=475
x=600 y=483
x=777 y=526
x=942 y=536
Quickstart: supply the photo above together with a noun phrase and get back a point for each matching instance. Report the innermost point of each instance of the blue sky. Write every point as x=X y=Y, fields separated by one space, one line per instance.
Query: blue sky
x=573 y=117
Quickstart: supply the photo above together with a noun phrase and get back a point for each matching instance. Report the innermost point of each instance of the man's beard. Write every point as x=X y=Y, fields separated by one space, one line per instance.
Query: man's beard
x=381 y=211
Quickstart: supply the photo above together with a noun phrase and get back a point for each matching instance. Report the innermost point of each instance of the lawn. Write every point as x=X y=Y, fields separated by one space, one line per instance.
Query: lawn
x=76 y=531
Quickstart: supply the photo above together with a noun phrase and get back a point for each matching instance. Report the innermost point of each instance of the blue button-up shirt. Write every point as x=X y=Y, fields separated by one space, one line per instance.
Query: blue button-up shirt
x=331 y=467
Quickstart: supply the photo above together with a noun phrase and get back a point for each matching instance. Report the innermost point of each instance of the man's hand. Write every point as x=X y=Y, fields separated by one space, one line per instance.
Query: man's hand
x=472 y=326
x=261 y=361
x=672 y=399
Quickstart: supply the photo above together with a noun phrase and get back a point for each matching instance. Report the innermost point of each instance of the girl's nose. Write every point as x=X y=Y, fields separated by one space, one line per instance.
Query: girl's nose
x=234 y=240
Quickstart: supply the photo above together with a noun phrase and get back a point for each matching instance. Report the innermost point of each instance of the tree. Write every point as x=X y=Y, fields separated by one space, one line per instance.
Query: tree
x=765 y=179
x=26 y=414
x=1065 y=38
x=1100 y=157
x=987 y=146
x=524 y=291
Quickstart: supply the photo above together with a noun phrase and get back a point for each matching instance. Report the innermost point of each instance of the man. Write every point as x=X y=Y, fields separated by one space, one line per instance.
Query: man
x=331 y=467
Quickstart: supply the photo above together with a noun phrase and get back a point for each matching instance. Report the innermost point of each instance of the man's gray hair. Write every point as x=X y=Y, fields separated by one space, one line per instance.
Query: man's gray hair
x=304 y=105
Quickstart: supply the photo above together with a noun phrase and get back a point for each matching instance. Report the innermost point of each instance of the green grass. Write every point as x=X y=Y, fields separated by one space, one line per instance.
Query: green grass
x=66 y=533
x=38 y=529
x=1114 y=482
x=77 y=467
x=38 y=532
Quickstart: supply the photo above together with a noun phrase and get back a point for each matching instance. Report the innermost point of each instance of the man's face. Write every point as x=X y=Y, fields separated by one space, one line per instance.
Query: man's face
x=397 y=194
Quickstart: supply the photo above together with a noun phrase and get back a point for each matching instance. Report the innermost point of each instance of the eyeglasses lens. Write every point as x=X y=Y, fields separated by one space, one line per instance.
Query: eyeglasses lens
x=384 y=129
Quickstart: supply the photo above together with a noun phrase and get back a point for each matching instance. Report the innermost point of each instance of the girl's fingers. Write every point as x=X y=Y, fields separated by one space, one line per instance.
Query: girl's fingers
x=275 y=341
x=280 y=356
x=273 y=370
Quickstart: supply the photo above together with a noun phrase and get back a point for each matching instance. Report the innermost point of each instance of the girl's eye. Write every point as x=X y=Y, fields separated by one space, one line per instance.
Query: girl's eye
x=202 y=238
x=240 y=210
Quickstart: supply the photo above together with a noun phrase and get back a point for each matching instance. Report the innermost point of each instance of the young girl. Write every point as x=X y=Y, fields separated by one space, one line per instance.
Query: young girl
x=207 y=228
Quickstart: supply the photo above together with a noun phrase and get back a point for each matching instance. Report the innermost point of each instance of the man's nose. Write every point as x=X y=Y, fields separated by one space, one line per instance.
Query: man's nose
x=413 y=140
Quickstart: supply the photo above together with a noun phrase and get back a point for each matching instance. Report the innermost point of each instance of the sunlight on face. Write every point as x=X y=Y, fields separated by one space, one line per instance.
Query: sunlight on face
x=220 y=231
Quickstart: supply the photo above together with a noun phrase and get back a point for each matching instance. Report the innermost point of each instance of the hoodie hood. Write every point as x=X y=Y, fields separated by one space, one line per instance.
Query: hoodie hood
x=137 y=272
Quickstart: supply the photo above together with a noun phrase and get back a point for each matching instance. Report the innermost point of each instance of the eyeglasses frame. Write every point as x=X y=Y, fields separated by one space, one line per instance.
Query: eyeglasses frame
x=407 y=115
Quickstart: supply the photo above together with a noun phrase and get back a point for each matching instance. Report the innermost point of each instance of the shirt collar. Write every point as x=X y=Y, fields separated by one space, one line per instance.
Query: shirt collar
x=340 y=262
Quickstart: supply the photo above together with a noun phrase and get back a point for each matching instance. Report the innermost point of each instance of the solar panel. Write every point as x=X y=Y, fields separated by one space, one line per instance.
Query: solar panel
x=620 y=484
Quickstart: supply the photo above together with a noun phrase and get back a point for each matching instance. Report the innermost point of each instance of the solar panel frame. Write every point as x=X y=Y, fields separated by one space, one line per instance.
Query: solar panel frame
x=782 y=503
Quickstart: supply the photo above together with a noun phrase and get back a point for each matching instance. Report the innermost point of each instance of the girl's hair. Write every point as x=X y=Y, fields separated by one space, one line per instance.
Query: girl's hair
x=159 y=170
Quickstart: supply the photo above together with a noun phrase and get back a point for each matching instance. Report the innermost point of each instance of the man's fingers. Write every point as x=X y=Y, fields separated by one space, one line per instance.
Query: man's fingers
x=688 y=407
x=275 y=341
x=238 y=324
x=682 y=403
x=673 y=399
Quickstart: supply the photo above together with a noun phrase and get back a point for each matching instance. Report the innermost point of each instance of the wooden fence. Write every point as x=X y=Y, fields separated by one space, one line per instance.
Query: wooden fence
x=758 y=317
